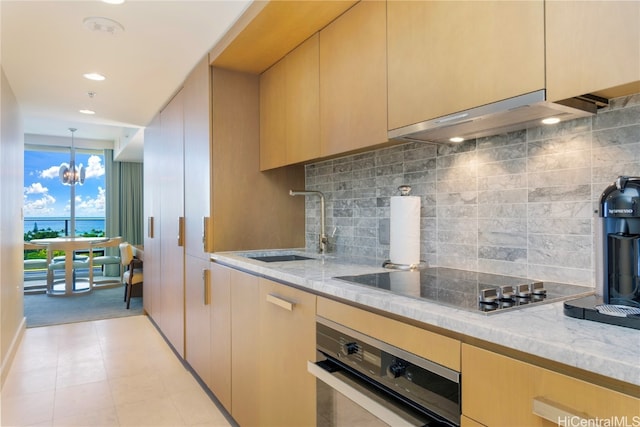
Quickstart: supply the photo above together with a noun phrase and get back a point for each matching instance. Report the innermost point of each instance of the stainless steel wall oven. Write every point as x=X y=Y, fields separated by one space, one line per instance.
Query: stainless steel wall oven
x=364 y=381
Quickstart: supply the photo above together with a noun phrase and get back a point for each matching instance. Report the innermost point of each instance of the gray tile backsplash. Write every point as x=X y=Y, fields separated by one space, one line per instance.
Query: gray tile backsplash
x=520 y=203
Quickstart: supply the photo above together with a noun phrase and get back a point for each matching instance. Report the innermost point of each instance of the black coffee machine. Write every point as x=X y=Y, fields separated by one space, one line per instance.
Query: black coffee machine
x=617 y=300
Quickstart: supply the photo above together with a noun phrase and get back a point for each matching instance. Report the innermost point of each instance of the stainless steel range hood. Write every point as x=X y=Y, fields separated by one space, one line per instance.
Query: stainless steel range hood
x=503 y=116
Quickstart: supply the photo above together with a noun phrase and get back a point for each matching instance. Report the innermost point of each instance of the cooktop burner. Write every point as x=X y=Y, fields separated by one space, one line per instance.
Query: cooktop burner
x=469 y=290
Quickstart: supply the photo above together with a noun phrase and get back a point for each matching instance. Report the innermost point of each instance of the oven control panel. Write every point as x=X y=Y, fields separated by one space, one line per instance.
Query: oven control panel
x=430 y=385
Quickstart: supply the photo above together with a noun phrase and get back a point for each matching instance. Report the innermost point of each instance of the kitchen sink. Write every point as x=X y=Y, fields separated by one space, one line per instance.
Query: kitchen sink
x=280 y=258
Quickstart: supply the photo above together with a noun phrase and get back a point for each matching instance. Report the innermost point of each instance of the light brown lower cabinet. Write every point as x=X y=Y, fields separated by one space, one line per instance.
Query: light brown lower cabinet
x=220 y=317
x=501 y=391
x=287 y=342
x=262 y=335
x=245 y=349
x=197 y=316
x=468 y=422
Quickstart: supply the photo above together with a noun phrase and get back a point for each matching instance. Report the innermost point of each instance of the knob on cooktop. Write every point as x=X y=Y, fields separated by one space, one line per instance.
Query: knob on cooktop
x=488 y=296
x=506 y=292
x=522 y=291
x=537 y=288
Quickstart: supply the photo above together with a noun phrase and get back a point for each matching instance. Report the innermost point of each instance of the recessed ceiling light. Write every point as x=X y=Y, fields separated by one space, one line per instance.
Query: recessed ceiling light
x=89 y=112
x=551 y=121
x=102 y=25
x=94 y=76
x=113 y=1
x=456 y=139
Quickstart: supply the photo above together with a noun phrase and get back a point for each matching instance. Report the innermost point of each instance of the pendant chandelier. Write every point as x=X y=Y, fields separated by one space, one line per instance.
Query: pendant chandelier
x=70 y=174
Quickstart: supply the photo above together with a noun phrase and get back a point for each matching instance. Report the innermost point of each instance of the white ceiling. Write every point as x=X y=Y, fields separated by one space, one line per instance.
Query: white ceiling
x=46 y=49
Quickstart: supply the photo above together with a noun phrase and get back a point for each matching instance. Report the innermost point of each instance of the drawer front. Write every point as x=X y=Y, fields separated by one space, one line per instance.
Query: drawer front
x=287 y=342
x=429 y=345
x=501 y=391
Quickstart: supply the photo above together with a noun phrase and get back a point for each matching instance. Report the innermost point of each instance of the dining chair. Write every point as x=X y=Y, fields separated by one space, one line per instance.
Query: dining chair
x=103 y=261
x=58 y=264
x=37 y=263
x=132 y=274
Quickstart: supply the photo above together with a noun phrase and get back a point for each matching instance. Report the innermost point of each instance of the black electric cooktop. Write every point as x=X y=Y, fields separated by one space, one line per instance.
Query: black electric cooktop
x=469 y=290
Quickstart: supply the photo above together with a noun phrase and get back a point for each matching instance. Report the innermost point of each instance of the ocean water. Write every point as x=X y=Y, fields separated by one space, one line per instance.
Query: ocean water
x=83 y=225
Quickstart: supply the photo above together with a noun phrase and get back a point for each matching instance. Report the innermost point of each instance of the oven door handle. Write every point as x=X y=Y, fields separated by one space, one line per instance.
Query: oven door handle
x=359 y=395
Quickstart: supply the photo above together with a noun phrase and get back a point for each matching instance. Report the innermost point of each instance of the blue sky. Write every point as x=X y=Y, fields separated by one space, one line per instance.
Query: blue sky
x=46 y=196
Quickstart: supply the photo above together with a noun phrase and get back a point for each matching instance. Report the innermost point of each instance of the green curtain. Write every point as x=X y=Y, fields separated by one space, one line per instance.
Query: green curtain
x=131 y=202
x=124 y=201
x=112 y=197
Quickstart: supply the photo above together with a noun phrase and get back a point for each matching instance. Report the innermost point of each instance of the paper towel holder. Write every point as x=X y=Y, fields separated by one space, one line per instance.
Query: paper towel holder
x=419 y=266
x=404 y=191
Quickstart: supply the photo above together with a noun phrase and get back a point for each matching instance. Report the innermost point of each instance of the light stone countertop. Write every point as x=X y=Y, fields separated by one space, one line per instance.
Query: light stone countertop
x=541 y=330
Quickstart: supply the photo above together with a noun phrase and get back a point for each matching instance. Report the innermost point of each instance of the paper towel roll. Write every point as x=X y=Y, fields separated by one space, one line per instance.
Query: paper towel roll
x=404 y=239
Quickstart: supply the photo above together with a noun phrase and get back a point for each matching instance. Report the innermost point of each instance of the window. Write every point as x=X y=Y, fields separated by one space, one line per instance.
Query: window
x=47 y=208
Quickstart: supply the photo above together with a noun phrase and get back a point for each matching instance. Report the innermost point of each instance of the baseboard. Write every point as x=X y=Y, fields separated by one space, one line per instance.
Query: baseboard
x=13 y=349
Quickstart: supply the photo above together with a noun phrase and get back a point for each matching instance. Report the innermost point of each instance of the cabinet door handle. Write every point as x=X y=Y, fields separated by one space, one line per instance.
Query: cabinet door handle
x=555 y=412
x=206 y=273
x=280 y=302
x=150 y=227
x=205 y=229
x=180 y=231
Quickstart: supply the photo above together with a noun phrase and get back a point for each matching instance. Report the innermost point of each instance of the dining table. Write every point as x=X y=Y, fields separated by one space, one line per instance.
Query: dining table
x=69 y=245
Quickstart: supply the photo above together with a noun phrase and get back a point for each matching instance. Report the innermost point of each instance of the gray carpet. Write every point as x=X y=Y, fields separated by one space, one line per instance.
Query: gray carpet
x=44 y=310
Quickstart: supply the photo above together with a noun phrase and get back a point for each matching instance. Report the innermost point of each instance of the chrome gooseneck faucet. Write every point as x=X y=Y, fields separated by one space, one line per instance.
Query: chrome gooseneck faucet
x=323 y=240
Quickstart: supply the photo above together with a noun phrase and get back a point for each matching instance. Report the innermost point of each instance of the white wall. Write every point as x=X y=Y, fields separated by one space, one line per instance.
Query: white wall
x=12 y=321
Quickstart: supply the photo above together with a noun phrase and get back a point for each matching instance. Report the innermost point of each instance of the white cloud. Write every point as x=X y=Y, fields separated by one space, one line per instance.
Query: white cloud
x=40 y=207
x=91 y=206
x=94 y=168
x=52 y=172
x=36 y=188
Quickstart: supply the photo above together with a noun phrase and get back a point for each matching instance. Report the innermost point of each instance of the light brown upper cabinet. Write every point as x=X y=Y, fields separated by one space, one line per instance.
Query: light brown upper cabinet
x=592 y=47
x=273 y=117
x=243 y=197
x=302 y=102
x=353 y=79
x=448 y=56
x=289 y=108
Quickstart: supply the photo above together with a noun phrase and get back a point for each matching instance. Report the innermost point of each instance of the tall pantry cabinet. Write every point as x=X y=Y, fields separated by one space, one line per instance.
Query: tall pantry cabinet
x=164 y=259
x=152 y=169
x=197 y=207
x=204 y=192
x=171 y=315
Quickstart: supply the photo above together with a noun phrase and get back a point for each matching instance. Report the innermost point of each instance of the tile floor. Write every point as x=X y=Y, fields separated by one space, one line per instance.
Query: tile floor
x=115 y=372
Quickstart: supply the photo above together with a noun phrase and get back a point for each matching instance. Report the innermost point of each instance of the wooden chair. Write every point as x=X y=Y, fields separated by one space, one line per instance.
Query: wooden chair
x=132 y=270
x=105 y=260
